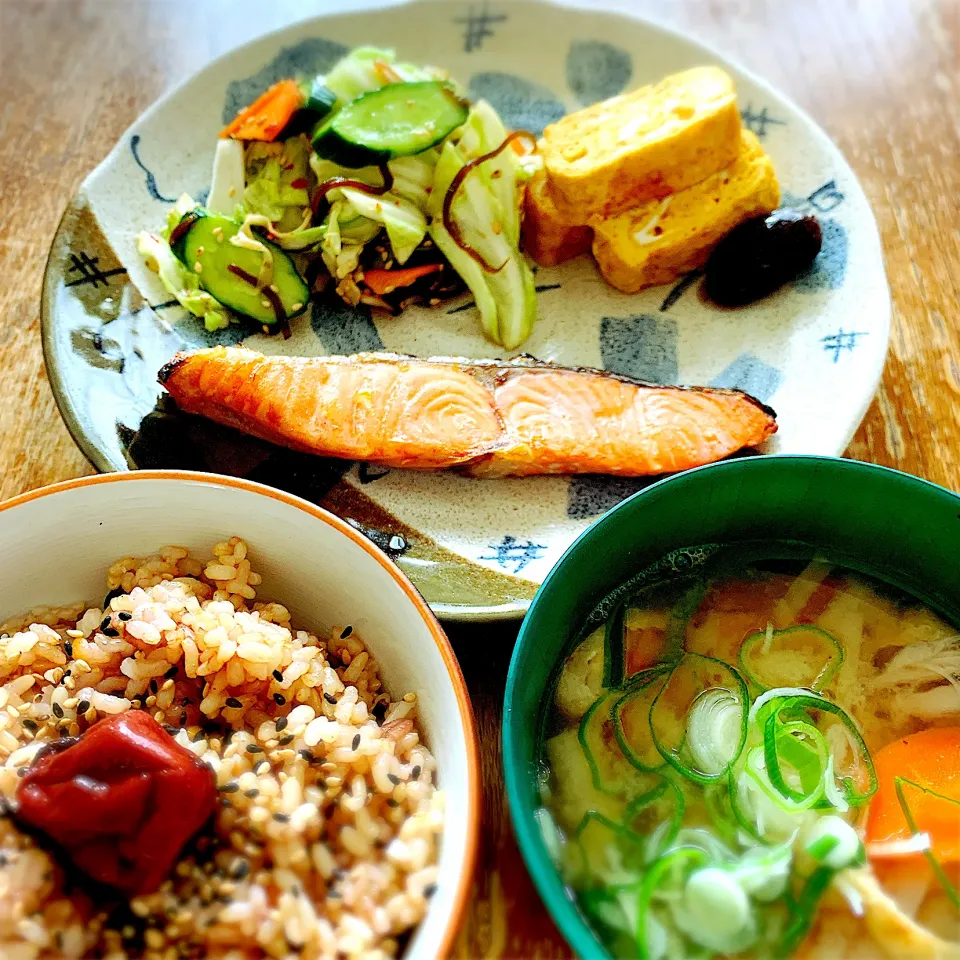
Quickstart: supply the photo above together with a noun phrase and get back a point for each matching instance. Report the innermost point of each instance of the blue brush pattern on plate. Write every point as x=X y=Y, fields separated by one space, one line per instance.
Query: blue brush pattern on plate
x=752 y=375
x=643 y=346
x=597 y=71
x=522 y=104
x=342 y=329
x=305 y=59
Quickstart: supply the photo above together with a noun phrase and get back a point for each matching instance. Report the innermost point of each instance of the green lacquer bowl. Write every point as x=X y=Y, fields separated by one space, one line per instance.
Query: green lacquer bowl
x=880 y=522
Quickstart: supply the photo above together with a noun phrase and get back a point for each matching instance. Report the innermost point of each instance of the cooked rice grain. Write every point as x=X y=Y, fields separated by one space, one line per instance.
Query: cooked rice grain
x=326 y=837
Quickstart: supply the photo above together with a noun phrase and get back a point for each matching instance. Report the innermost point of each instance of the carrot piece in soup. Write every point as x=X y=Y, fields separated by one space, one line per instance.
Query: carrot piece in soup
x=931 y=760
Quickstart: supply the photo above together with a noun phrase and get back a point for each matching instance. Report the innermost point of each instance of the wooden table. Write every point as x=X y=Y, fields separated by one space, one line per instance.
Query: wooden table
x=880 y=75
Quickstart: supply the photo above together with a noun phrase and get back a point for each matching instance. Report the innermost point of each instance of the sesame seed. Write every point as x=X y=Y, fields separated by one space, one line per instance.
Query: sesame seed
x=125 y=616
x=31 y=725
x=265 y=302
x=330 y=699
x=281 y=818
x=154 y=686
x=171 y=673
x=110 y=632
x=274 y=288
x=231 y=787
x=415 y=772
x=251 y=793
x=234 y=703
x=254 y=748
x=83 y=706
x=279 y=699
x=68 y=648
x=392 y=803
x=393 y=778
x=306 y=754
x=356 y=742
x=240 y=869
x=281 y=724
x=283 y=741
x=346 y=633
x=57 y=710
x=105 y=622
x=22 y=772
x=429 y=890
x=296 y=306
x=198 y=736
x=262 y=767
x=278 y=676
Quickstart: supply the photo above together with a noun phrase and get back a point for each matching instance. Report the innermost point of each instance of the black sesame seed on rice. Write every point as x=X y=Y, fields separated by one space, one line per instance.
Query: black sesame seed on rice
x=330 y=699
x=57 y=710
x=154 y=686
x=415 y=772
x=281 y=818
x=306 y=754
x=234 y=703
x=393 y=778
x=283 y=741
x=429 y=890
x=183 y=719
x=279 y=699
x=392 y=803
x=171 y=673
x=281 y=724
x=198 y=736
x=346 y=633
x=68 y=647
x=83 y=706
x=251 y=793
x=240 y=869
x=114 y=593
x=125 y=616
x=231 y=787
x=105 y=622
x=356 y=742
x=31 y=725
x=22 y=772
x=110 y=632
x=278 y=676
x=254 y=748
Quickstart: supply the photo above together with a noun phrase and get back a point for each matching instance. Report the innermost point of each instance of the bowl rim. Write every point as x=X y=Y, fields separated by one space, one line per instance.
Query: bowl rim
x=561 y=907
x=454 y=673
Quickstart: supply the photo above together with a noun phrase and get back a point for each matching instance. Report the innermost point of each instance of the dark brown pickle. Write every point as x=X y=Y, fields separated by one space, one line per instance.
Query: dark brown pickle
x=761 y=255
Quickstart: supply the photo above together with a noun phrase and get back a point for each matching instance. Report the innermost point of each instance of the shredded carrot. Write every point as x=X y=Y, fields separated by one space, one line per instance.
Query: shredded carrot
x=928 y=765
x=386 y=73
x=266 y=117
x=386 y=281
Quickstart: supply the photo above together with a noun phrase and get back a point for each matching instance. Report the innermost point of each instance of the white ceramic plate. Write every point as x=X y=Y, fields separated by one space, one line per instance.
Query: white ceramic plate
x=477 y=549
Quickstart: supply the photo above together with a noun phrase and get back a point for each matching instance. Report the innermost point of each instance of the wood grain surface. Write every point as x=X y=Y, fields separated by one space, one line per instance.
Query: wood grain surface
x=880 y=75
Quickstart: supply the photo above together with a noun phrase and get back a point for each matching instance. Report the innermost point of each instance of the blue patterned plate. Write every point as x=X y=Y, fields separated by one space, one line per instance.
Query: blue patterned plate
x=477 y=549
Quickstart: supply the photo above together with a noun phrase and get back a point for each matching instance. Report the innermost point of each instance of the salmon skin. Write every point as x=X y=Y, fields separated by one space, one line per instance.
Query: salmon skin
x=484 y=418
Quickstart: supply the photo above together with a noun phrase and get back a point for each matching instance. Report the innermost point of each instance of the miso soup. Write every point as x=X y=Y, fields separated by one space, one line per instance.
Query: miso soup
x=759 y=761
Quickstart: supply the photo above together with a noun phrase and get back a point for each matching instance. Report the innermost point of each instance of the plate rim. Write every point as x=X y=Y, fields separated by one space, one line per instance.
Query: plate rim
x=450 y=612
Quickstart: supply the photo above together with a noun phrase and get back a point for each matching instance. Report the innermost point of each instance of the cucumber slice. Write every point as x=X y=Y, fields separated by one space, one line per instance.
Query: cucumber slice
x=202 y=238
x=320 y=98
x=398 y=120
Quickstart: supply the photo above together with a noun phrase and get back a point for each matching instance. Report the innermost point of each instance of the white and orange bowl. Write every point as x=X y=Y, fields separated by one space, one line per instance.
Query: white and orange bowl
x=59 y=541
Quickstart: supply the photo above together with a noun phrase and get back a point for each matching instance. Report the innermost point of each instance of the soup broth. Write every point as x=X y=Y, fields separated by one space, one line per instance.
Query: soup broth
x=760 y=761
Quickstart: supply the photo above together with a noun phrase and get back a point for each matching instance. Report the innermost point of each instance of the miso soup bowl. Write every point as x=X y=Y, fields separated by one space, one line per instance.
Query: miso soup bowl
x=882 y=523
x=57 y=543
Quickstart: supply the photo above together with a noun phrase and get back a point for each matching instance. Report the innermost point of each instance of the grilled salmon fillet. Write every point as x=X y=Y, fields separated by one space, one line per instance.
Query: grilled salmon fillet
x=485 y=418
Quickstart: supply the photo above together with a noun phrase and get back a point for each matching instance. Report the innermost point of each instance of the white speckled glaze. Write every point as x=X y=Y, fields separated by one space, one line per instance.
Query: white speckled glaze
x=814 y=350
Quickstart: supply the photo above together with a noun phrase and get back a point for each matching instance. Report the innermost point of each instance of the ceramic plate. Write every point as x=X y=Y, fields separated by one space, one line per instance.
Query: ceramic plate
x=477 y=549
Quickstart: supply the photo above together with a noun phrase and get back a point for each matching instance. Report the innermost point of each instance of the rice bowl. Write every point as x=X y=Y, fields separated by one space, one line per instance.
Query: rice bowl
x=328 y=823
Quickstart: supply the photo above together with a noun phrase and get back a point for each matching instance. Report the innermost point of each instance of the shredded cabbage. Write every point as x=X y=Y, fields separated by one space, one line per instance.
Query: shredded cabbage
x=182 y=283
x=365 y=69
x=272 y=169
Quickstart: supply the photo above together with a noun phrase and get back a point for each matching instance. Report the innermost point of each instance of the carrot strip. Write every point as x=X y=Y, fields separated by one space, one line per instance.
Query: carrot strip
x=930 y=762
x=267 y=115
x=386 y=281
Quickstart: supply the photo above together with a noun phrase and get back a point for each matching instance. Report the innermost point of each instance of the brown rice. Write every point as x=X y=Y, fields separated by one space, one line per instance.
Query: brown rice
x=325 y=839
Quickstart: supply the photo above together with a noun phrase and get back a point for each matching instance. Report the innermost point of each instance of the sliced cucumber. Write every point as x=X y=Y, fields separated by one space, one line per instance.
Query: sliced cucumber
x=320 y=99
x=398 y=120
x=202 y=242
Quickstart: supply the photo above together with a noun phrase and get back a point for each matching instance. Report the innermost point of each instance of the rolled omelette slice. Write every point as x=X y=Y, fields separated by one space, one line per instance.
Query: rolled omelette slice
x=491 y=418
x=642 y=145
x=547 y=235
x=660 y=240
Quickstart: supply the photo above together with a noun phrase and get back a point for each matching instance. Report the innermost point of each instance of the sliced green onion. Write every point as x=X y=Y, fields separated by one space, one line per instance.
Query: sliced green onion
x=608 y=766
x=682 y=859
x=715 y=912
x=664 y=833
x=680 y=616
x=607 y=846
x=804 y=748
x=762 y=653
x=756 y=768
x=804 y=909
x=833 y=842
x=701 y=673
x=614 y=653
x=714 y=730
x=797 y=703
x=899 y=783
x=764 y=872
x=631 y=720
